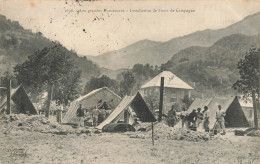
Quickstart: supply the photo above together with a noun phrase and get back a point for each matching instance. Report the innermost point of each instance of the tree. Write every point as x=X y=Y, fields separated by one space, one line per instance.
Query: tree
x=187 y=101
x=52 y=66
x=152 y=99
x=248 y=83
x=103 y=81
x=166 y=66
x=127 y=84
x=4 y=81
x=138 y=69
x=67 y=88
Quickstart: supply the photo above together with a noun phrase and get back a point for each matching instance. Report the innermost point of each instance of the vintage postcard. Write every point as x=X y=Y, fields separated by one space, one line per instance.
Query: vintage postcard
x=131 y=81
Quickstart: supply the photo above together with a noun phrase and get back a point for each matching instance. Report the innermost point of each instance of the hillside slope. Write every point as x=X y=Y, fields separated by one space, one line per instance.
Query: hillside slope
x=212 y=69
x=156 y=53
x=125 y=57
x=16 y=44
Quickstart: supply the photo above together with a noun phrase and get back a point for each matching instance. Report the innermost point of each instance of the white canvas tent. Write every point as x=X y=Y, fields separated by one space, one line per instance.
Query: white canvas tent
x=91 y=100
x=138 y=105
x=170 y=81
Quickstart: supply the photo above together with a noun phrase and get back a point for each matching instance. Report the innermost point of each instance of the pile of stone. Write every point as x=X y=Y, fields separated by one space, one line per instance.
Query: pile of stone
x=37 y=123
x=162 y=131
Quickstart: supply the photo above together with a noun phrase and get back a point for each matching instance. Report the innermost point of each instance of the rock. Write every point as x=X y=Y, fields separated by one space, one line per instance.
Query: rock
x=164 y=132
x=97 y=132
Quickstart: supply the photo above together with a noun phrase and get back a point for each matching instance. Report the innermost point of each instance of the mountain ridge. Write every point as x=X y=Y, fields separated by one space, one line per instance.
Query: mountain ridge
x=212 y=70
x=162 y=51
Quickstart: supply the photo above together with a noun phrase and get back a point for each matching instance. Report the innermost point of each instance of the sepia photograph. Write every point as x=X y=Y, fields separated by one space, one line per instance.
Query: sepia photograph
x=129 y=81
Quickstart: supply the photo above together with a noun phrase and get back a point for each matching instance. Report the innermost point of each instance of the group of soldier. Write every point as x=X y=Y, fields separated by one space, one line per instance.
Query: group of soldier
x=197 y=118
x=97 y=115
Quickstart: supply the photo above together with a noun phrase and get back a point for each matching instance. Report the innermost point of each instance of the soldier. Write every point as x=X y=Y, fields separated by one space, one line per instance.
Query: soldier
x=80 y=115
x=102 y=115
x=171 y=117
x=206 y=119
x=59 y=112
x=184 y=117
x=192 y=118
x=80 y=112
x=220 y=118
x=199 y=117
x=136 y=123
x=95 y=113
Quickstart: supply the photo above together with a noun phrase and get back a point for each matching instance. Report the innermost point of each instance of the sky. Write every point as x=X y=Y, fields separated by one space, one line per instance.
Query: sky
x=89 y=30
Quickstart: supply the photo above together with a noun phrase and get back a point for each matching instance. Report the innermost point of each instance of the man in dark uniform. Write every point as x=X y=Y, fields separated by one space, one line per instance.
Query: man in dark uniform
x=80 y=115
x=192 y=118
x=80 y=112
x=171 y=117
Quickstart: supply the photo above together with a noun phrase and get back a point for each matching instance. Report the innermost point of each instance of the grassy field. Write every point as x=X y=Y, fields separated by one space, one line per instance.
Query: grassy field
x=37 y=147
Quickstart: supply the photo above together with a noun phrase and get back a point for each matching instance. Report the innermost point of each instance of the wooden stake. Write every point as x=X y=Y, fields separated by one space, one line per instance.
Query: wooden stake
x=153 y=133
x=161 y=99
x=8 y=102
x=50 y=90
x=255 y=110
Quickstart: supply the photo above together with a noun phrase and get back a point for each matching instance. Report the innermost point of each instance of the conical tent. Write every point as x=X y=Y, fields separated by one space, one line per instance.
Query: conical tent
x=138 y=105
x=21 y=100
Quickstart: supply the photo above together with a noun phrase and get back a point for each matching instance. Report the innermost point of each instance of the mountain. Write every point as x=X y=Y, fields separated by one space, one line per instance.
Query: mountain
x=123 y=57
x=226 y=52
x=112 y=74
x=17 y=43
x=156 y=53
x=212 y=70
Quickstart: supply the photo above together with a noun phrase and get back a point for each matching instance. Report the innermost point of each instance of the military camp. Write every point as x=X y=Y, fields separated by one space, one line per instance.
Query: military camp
x=129 y=82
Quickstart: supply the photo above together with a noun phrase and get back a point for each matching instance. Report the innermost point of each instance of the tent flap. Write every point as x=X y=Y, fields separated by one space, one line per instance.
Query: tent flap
x=141 y=109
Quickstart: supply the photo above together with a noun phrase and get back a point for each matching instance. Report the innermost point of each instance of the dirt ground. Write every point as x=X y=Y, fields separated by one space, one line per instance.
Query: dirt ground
x=36 y=147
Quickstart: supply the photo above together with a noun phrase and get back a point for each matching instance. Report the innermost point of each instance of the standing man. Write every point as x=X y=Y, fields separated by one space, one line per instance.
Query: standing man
x=95 y=113
x=220 y=118
x=80 y=114
x=171 y=117
x=206 y=118
x=192 y=118
x=184 y=118
x=59 y=112
x=135 y=123
x=199 y=117
x=102 y=115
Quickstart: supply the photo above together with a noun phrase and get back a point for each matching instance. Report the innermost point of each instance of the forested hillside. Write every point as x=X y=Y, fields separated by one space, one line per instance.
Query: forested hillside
x=212 y=70
x=17 y=43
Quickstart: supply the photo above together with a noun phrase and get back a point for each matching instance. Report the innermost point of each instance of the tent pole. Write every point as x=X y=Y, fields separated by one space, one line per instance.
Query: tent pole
x=49 y=98
x=255 y=110
x=153 y=133
x=161 y=99
x=8 y=102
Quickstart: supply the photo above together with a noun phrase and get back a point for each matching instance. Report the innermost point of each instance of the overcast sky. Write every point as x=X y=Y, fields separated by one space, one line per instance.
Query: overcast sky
x=93 y=33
